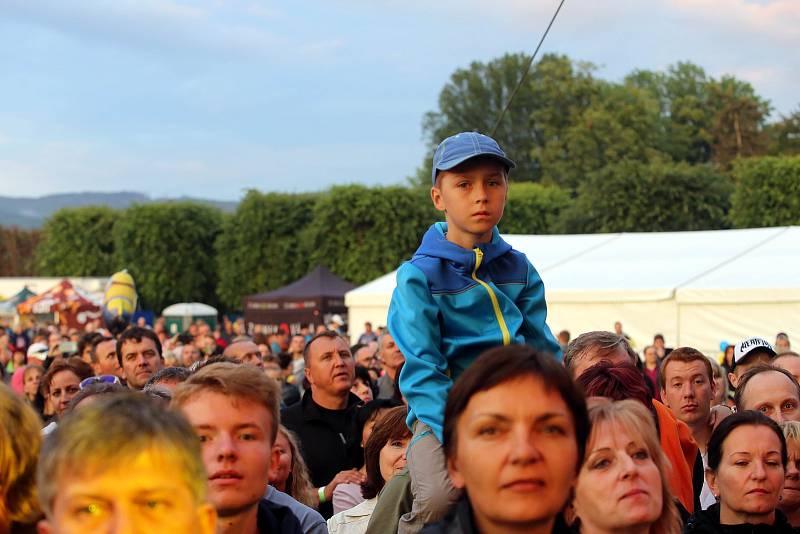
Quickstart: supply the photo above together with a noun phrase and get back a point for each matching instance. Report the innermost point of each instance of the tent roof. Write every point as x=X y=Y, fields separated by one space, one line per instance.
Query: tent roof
x=61 y=294
x=318 y=283
x=21 y=296
x=185 y=309
x=703 y=266
x=9 y=306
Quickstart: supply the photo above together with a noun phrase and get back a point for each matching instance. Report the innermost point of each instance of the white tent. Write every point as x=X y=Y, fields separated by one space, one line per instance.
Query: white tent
x=696 y=288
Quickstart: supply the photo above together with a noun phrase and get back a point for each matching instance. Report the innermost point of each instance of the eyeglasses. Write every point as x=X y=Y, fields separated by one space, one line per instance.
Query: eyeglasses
x=100 y=379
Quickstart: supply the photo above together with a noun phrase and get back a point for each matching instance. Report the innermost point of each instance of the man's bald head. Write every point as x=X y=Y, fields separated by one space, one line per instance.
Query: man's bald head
x=244 y=352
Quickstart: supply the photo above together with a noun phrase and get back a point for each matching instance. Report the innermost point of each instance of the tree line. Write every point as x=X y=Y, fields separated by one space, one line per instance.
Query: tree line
x=659 y=151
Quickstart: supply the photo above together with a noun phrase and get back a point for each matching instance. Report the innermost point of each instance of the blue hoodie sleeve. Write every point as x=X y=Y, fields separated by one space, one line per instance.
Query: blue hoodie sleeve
x=532 y=304
x=414 y=325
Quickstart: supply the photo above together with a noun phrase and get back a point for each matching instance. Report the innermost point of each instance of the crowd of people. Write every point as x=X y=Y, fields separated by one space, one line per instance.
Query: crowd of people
x=235 y=439
x=464 y=415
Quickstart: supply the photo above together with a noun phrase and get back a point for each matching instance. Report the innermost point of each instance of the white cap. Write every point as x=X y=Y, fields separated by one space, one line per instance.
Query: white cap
x=749 y=346
x=38 y=351
x=337 y=319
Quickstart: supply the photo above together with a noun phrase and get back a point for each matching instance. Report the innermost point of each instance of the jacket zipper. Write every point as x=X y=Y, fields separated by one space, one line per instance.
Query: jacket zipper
x=495 y=304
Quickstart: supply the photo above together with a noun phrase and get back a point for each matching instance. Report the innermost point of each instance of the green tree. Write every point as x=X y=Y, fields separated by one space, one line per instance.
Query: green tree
x=78 y=242
x=767 y=192
x=260 y=246
x=361 y=232
x=637 y=197
x=552 y=95
x=18 y=252
x=784 y=135
x=621 y=123
x=533 y=208
x=739 y=120
x=169 y=250
x=686 y=117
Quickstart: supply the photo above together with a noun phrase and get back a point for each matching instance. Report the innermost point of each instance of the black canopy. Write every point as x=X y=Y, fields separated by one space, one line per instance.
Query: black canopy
x=311 y=300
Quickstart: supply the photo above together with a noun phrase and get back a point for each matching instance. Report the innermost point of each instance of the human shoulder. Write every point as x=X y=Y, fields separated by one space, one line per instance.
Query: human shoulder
x=310 y=520
x=292 y=416
x=275 y=518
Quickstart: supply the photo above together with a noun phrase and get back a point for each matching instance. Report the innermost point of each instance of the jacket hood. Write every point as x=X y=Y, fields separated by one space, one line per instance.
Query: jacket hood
x=435 y=244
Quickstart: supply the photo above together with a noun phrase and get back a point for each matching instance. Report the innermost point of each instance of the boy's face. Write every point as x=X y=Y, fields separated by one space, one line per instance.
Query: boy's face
x=236 y=437
x=473 y=196
x=148 y=495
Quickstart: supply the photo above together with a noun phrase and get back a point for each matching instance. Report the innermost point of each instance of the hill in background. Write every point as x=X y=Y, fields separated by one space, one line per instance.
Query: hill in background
x=31 y=212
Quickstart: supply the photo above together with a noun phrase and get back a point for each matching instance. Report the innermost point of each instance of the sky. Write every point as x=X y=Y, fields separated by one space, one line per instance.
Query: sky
x=210 y=98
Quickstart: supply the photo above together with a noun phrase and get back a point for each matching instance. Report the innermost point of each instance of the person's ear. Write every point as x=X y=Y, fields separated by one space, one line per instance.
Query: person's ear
x=307 y=374
x=455 y=475
x=733 y=379
x=711 y=480
x=274 y=459
x=436 y=197
x=664 y=400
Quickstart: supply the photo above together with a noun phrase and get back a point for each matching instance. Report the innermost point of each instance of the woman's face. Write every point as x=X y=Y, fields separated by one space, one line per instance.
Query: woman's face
x=515 y=454
x=619 y=485
x=393 y=457
x=64 y=385
x=749 y=479
x=362 y=390
x=281 y=461
x=790 y=498
x=32 y=380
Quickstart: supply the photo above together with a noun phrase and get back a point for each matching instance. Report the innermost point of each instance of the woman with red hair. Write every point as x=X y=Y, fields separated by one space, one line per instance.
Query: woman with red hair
x=620 y=382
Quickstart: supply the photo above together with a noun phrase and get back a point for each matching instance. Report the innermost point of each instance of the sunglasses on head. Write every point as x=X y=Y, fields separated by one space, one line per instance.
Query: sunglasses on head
x=100 y=379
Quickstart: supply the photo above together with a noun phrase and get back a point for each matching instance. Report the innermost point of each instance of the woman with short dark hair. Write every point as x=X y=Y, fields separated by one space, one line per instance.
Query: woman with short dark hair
x=747 y=458
x=515 y=432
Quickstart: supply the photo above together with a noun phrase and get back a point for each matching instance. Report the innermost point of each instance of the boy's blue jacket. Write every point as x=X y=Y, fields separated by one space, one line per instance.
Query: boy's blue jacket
x=450 y=305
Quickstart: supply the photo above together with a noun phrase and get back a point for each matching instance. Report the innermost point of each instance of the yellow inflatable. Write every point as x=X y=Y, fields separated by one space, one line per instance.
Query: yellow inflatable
x=119 y=301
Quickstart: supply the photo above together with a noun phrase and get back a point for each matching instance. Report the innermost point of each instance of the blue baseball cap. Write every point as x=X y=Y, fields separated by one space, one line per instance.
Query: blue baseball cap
x=458 y=148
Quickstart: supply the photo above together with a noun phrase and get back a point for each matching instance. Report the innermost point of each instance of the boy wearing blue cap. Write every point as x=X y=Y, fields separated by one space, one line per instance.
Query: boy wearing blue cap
x=465 y=290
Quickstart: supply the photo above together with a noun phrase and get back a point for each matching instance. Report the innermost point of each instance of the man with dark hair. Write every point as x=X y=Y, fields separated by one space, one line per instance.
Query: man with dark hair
x=139 y=355
x=591 y=347
x=770 y=390
x=85 y=345
x=688 y=389
x=325 y=419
